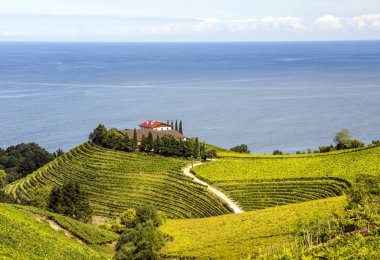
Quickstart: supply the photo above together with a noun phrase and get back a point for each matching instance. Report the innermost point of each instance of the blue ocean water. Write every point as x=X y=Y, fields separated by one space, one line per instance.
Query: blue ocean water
x=288 y=96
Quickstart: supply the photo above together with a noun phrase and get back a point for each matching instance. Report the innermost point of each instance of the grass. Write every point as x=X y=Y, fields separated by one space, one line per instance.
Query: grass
x=234 y=236
x=262 y=181
x=118 y=180
x=22 y=236
x=89 y=233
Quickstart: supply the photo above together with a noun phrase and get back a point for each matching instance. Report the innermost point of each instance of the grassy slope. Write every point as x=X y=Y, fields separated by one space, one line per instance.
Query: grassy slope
x=89 y=233
x=236 y=235
x=265 y=181
x=118 y=180
x=22 y=236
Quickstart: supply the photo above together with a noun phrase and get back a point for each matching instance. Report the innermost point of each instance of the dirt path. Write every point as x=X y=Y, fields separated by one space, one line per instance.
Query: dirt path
x=54 y=225
x=231 y=204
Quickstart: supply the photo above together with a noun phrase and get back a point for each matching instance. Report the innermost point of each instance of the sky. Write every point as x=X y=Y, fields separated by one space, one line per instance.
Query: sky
x=188 y=21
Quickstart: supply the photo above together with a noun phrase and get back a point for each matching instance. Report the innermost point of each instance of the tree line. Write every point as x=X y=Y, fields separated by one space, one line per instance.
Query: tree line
x=176 y=126
x=19 y=160
x=167 y=145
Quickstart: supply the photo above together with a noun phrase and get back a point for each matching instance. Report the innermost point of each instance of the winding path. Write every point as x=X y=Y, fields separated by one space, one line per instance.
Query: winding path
x=231 y=204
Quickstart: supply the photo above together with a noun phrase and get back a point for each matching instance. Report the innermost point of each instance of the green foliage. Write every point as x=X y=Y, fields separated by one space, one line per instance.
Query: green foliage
x=128 y=218
x=116 y=181
x=144 y=240
x=40 y=196
x=70 y=200
x=196 y=150
x=342 y=136
x=180 y=129
x=243 y=148
x=277 y=152
x=22 y=236
x=58 y=153
x=22 y=159
x=327 y=149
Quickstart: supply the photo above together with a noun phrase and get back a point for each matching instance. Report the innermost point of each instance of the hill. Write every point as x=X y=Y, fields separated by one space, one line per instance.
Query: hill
x=26 y=235
x=234 y=236
x=262 y=181
x=118 y=180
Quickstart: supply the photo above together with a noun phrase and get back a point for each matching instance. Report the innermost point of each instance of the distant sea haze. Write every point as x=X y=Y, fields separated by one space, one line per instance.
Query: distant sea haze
x=289 y=96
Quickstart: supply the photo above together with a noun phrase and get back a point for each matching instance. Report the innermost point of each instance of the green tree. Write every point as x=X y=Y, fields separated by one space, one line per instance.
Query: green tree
x=277 y=152
x=58 y=153
x=172 y=124
x=98 y=135
x=157 y=145
x=176 y=125
x=196 y=150
x=180 y=127
x=243 y=148
x=128 y=218
x=143 y=143
x=342 y=138
x=149 y=142
x=134 y=140
x=70 y=200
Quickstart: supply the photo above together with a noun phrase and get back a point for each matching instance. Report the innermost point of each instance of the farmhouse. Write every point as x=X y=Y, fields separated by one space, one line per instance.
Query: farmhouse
x=155 y=125
x=157 y=128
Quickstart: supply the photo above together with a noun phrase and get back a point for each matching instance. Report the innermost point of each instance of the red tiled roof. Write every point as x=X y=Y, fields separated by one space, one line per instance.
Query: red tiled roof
x=153 y=124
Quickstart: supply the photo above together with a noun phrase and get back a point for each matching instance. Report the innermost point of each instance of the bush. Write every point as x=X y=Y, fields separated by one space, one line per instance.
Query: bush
x=277 y=152
x=243 y=148
x=128 y=218
x=327 y=148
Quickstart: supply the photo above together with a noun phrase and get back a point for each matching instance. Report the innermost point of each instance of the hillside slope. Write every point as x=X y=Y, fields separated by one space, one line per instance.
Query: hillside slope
x=117 y=180
x=234 y=236
x=263 y=181
x=23 y=236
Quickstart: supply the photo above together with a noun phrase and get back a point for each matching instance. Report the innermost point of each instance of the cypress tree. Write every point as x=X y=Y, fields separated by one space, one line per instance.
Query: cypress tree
x=176 y=125
x=149 y=142
x=134 y=140
x=196 y=148
x=157 y=145
x=180 y=127
x=172 y=124
x=143 y=143
x=167 y=121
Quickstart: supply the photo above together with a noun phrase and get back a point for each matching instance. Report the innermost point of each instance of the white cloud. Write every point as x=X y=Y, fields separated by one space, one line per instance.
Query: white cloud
x=208 y=24
x=289 y=22
x=365 y=21
x=243 y=25
x=328 y=22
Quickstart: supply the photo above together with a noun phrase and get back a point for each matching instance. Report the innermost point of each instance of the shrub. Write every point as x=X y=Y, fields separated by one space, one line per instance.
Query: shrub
x=277 y=152
x=128 y=217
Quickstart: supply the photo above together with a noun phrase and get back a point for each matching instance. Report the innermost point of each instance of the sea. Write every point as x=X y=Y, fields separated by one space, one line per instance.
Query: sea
x=269 y=95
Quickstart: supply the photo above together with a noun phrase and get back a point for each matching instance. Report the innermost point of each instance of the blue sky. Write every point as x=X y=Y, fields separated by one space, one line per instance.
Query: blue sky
x=195 y=20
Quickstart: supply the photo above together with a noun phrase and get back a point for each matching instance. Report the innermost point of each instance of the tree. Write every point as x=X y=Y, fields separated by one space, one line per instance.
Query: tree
x=176 y=125
x=243 y=148
x=180 y=127
x=58 y=153
x=128 y=218
x=127 y=146
x=22 y=159
x=70 y=200
x=149 y=142
x=277 y=152
x=114 y=139
x=172 y=125
x=143 y=143
x=144 y=240
x=98 y=135
x=134 y=140
x=157 y=145
x=342 y=138
x=196 y=148
x=202 y=151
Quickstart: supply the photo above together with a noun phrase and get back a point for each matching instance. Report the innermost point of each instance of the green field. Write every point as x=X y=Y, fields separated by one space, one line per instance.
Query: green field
x=234 y=236
x=88 y=233
x=262 y=181
x=22 y=236
x=118 y=180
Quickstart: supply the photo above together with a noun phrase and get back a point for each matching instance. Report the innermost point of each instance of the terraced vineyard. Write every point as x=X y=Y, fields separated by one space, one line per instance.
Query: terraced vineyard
x=234 y=236
x=117 y=180
x=22 y=236
x=266 y=181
